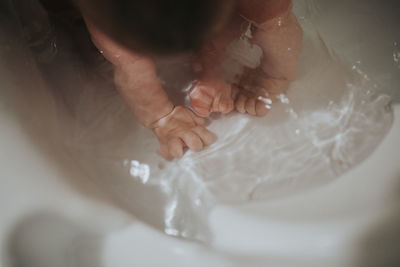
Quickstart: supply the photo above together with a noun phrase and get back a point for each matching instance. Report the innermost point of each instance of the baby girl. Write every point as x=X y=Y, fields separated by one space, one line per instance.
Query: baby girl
x=130 y=33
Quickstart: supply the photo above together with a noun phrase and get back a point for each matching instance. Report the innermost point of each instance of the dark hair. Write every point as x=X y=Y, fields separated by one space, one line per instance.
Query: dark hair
x=160 y=26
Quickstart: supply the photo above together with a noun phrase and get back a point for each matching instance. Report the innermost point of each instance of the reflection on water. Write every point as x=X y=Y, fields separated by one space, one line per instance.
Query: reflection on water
x=331 y=119
x=396 y=54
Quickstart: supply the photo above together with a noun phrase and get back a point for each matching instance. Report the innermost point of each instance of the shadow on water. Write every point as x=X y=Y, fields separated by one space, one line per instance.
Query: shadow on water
x=364 y=32
x=37 y=108
x=380 y=245
x=46 y=240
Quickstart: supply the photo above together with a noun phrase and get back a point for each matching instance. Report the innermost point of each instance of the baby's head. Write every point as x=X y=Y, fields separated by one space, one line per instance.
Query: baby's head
x=159 y=26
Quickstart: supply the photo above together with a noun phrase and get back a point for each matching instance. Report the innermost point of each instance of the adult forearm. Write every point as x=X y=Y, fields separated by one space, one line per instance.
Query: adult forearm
x=142 y=91
x=135 y=77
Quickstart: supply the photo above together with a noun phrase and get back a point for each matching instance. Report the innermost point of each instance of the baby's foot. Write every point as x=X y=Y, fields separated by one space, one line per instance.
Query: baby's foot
x=212 y=96
x=257 y=93
x=256 y=103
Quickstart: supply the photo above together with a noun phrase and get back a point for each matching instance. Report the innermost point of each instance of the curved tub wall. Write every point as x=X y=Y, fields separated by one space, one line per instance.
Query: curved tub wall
x=352 y=221
x=50 y=138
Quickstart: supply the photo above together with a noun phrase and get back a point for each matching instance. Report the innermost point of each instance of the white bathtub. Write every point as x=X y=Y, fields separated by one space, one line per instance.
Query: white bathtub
x=48 y=206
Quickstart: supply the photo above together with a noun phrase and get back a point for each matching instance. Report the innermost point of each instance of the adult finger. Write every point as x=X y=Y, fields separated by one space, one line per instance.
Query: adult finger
x=192 y=141
x=175 y=147
x=163 y=152
x=206 y=136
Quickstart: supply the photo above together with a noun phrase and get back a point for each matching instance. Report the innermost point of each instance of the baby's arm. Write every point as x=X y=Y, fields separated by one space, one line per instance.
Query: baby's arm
x=280 y=36
x=137 y=81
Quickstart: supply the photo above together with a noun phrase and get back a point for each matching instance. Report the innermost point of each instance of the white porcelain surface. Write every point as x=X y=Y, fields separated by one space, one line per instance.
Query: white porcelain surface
x=352 y=221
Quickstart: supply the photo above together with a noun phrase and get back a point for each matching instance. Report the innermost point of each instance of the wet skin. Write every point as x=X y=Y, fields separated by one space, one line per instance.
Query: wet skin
x=276 y=31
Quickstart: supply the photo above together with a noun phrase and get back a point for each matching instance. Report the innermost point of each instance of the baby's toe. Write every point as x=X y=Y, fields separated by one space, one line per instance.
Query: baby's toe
x=261 y=108
x=240 y=103
x=226 y=105
x=251 y=106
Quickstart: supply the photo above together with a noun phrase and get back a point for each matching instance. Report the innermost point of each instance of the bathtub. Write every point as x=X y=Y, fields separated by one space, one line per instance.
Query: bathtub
x=53 y=215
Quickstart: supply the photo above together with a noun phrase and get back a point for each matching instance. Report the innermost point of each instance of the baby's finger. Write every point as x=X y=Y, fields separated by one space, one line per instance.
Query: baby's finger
x=175 y=147
x=206 y=136
x=226 y=102
x=201 y=101
x=192 y=141
x=217 y=101
x=198 y=120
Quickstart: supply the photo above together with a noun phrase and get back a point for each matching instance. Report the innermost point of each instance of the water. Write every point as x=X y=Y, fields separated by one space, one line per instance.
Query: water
x=332 y=118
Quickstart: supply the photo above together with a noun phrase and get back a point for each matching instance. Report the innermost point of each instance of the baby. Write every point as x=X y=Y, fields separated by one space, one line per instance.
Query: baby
x=130 y=33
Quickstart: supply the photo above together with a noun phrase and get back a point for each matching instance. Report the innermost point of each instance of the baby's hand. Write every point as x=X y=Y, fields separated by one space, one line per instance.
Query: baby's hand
x=179 y=130
x=214 y=95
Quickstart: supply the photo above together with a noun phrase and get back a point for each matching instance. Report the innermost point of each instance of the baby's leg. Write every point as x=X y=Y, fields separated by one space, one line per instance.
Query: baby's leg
x=253 y=97
x=280 y=38
x=211 y=93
